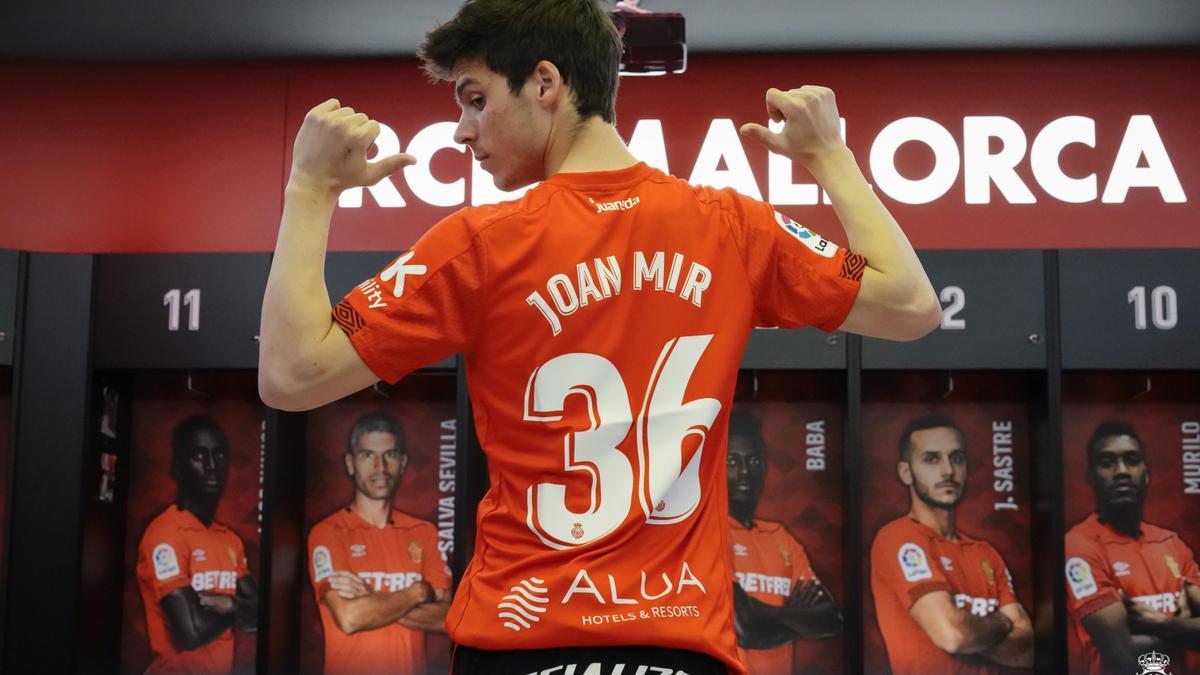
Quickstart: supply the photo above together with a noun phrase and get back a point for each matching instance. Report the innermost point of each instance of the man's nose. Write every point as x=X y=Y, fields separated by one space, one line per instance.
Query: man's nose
x=464 y=133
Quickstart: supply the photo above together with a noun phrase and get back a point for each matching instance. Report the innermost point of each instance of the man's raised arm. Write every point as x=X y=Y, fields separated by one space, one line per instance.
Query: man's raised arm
x=896 y=300
x=304 y=360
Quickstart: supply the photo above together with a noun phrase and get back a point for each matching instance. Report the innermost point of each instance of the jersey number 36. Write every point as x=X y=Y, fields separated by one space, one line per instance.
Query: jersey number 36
x=667 y=490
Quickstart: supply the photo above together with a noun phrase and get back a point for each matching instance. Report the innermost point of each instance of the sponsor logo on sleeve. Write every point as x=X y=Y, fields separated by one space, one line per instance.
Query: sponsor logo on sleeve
x=1079 y=576
x=322 y=564
x=815 y=242
x=913 y=562
x=166 y=564
x=401 y=269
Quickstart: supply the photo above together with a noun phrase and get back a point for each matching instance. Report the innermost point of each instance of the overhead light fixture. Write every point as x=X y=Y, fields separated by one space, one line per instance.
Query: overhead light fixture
x=654 y=41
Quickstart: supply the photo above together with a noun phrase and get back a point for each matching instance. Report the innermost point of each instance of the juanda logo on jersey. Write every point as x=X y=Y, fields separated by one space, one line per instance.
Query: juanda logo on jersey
x=617 y=205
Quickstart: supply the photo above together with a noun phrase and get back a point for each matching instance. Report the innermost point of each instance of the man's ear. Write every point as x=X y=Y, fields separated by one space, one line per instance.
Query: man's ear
x=349 y=464
x=904 y=472
x=548 y=82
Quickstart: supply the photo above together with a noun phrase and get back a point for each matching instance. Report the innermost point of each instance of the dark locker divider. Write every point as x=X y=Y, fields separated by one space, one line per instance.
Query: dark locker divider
x=852 y=546
x=51 y=382
x=282 y=543
x=12 y=286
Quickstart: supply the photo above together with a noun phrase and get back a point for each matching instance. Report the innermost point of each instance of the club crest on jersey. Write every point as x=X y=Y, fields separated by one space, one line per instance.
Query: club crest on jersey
x=166 y=564
x=401 y=269
x=233 y=560
x=988 y=572
x=786 y=555
x=815 y=242
x=913 y=563
x=577 y=530
x=322 y=563
x=1079 y=576
x=415 y=552
x=1173 y=566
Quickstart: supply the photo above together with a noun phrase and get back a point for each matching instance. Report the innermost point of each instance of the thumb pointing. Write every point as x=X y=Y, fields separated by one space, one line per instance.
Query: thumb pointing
x=761 y=134
x=377 y=171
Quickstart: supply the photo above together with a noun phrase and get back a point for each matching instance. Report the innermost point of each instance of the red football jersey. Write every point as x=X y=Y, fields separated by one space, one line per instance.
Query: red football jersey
x=1103 y=563
x=602 y=316
x=909 y=560
x=177 y=550
x=768 y=564
x=389 y=559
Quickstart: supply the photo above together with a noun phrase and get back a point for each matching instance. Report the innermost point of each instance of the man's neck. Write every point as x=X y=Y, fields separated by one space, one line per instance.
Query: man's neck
x=936 y=519
x=375 y=511
x=595 y=146
x=1126 y=521
x=205 y=510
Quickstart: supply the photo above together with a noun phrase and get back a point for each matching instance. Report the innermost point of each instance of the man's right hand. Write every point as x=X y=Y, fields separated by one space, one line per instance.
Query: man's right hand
x=330 y=152
x=811 y=124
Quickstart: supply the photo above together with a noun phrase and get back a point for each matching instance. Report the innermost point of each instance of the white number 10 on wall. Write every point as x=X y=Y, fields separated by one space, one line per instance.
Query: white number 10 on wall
x=191 y=299
x=1164 y=307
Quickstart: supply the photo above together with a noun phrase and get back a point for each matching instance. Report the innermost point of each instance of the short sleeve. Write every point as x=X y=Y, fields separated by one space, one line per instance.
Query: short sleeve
x=1090 y=583
x=801 y=565
x=797 y=277
x=434 y=570
x=163 y=563
x=1188 y=568
x=424 y=306
x=325 y=555
x=903 y=566
x=243 y=568
x=1007 y=591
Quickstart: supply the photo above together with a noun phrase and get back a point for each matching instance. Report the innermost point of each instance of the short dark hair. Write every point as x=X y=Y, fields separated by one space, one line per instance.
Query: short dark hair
x=185 y=431
x=376 y=422
x=743 y=423
x=924 y=423
x=511 y=36
x=1108 y=430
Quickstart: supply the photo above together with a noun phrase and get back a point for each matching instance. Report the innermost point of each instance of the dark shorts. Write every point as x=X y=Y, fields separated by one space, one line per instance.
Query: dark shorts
x=580 y=660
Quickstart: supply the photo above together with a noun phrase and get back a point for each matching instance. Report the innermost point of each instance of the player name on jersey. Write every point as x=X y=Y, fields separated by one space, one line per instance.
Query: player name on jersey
x=568 y=295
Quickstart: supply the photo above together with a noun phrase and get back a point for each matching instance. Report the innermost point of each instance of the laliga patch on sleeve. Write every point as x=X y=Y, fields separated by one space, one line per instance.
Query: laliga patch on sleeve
x=815 y=242
x=322 y=564
x=913 y=563
x=1079 y=576
x=166 y=565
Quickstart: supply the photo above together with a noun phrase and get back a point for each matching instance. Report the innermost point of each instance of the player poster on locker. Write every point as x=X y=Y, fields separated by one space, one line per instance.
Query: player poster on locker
x=946 y=516
x=192 y=528
x=379 y=521
x=1131 y=464
x=785 y=502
